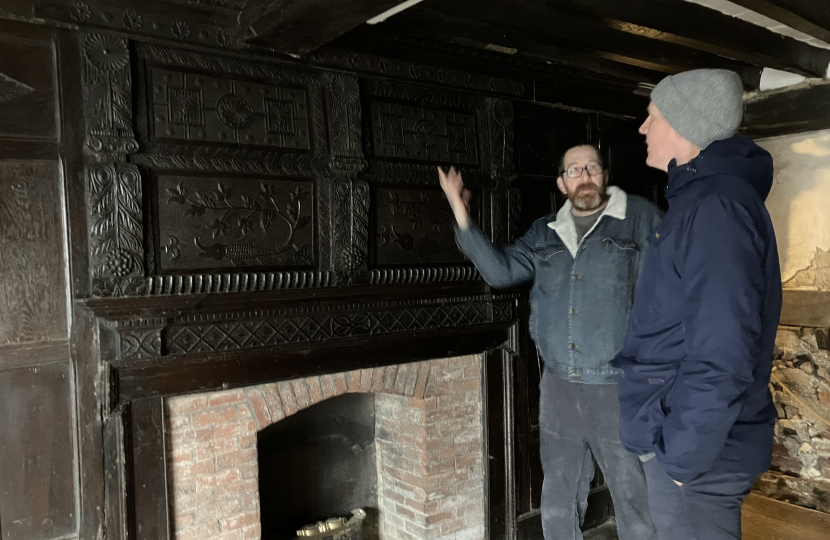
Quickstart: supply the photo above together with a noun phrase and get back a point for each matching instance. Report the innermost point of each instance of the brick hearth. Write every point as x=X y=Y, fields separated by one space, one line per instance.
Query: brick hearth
x=429 y=437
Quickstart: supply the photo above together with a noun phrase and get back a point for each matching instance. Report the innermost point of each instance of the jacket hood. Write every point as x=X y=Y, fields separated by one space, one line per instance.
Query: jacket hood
x=737 y=156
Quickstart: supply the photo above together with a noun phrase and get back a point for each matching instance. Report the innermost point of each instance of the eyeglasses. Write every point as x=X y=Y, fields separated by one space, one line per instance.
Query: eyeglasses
x=575 y=172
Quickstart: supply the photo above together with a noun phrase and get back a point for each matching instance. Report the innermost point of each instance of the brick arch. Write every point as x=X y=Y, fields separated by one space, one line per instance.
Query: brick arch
x=430 y=449
x=272 y=402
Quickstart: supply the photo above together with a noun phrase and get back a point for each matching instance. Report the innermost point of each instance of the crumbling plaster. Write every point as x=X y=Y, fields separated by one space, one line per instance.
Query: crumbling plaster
x=798 y=205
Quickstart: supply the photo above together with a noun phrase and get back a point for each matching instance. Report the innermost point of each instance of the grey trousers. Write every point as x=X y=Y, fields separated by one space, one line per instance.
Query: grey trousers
x=707 y=508
x=578 y=420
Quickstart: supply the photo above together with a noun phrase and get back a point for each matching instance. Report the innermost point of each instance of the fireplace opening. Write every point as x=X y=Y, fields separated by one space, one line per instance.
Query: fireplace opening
x=319 y=463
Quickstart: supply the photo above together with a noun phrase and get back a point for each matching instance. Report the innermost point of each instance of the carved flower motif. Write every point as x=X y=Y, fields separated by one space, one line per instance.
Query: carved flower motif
x=132 y=20
x=345 y=89
x=119 y=263
x=224 y=37
x=181 y=30
x=106 y=53
x=234 y=111
x=79 y=11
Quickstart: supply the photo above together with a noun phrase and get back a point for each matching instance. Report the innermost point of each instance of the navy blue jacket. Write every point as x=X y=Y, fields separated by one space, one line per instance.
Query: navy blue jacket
x=697 y=357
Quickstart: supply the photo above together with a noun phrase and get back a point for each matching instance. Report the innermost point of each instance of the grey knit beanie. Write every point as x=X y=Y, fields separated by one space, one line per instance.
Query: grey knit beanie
x=702 y=105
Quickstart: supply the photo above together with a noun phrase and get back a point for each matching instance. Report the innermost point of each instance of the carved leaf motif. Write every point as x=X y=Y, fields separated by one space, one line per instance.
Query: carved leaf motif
x=117 y=229
x=177 y=195
x=303 y=222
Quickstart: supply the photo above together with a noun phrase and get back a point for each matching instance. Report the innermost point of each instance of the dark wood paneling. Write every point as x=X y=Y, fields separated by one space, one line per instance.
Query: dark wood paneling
x=28 y=109
x=806 y=308
x=33 y=354
x=149 y=468
x=32 y=266
x=213 y=371
x=495 y=448
x=37 y=462
x=788 y=111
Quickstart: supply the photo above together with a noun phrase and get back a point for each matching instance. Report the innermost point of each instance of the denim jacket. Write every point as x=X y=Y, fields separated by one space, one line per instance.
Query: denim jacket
x=582 y=292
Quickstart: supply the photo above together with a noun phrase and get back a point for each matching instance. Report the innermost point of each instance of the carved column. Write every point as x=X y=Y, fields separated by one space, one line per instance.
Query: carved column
x=114 y=187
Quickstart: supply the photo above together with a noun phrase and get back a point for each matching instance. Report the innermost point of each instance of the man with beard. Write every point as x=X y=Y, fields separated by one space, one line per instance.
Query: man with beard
x=584 y=262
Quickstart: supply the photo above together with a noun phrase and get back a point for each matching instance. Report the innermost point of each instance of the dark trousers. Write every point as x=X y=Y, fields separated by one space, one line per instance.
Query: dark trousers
x=578 y=420
x=707 y=508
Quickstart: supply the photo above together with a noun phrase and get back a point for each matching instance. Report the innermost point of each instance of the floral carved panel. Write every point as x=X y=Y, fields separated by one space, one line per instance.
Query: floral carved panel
x=216 y=222
x=414 y=227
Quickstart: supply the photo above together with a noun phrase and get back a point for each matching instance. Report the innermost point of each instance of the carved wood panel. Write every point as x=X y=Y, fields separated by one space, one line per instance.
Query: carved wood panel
x=195 y=107
x=414 y=227
x=32 y=274
x=215 y=222
x=419 y=133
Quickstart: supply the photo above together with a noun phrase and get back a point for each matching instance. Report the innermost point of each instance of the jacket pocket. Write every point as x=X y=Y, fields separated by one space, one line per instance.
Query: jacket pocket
x=546 y=252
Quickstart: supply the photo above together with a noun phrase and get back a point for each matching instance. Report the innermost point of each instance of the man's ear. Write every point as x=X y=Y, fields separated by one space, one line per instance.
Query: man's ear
x=561 y=184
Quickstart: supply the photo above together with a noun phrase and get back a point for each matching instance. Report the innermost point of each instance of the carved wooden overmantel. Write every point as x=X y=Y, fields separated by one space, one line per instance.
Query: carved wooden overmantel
x=250 y=220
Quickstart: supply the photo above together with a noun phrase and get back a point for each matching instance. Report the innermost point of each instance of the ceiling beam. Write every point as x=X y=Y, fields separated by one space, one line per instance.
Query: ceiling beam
x=297 y=27
x=809 y=16
x=549 y=83
x=539 y=31
x=789 y=111
x=692 y=25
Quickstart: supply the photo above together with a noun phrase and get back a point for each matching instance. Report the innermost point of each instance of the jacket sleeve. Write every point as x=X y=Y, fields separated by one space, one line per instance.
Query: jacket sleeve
x=720 y=260
x=500 y=268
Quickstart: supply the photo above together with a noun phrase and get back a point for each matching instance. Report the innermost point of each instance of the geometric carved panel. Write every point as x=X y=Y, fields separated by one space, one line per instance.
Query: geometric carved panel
x=32 y=273
x=414 y=227
x=208 y=222
x=201 y=108
x=411 y=132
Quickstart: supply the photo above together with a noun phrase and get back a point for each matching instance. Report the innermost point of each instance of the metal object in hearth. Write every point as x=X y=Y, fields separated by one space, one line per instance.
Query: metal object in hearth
x=336 y=528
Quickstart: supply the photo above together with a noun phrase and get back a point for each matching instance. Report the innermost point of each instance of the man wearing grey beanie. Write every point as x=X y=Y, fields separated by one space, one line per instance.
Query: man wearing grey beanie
x=695 y=367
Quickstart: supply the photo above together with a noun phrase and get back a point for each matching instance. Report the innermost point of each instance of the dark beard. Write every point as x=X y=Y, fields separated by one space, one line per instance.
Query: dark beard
x=586 y=200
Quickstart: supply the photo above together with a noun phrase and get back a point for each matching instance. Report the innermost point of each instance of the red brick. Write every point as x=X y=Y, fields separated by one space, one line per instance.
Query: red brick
x=261 y=413
x=217 y=511
x=185 y=502
x=249 y=470
x=421 y=384
x=454 y=526
x=248 y=455
x=366 y=379
x=238 y=522
x=289 y=402
x=247 y=441
x=824 y=397
x=340 y=384
x=301 y=394
x=199 y=533
x=327 y=386
x=377 y=379
x=216 y=416
x=186 y=404
x=181 y=456
x=215 y=448
x=315 y=390
x=230 y=535
x=272 y=398
x=389 y=376
x=404 y=511
x=464 y=386
x=226 y=398
x=354 y=380
x=182 y=521
x=227 y=476
x=254 y=532
x=235 y=429
x=438 y=518
x=234 y=490
x=191 y=470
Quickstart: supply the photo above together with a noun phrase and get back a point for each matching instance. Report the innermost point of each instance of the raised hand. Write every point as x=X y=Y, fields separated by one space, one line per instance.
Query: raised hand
x=457 y=195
